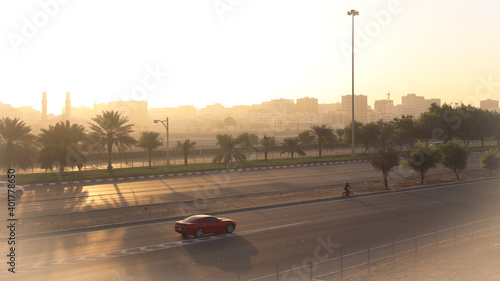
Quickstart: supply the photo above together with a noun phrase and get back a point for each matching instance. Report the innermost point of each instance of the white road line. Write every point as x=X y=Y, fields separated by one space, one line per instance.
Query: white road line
x=144 y=249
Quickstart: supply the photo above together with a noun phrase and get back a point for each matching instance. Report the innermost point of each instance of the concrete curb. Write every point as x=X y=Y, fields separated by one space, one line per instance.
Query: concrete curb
x=149 y=177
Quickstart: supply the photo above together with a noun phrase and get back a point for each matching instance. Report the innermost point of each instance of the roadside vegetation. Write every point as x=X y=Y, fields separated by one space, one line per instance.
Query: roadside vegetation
x=439 y=136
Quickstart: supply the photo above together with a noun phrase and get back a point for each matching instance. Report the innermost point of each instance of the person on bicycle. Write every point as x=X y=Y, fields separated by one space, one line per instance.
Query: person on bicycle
x=347 y=188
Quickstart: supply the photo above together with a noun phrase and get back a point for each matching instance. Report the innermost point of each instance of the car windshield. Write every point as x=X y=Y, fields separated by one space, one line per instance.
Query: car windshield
x=191 y=219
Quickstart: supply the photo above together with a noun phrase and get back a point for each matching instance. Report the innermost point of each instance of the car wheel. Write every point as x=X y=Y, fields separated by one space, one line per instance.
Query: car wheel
x=198 y=232
x=19 y=193
x=230 y=228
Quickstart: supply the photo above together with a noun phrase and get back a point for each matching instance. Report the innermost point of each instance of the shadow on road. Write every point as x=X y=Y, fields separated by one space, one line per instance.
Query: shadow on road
x=229 y=254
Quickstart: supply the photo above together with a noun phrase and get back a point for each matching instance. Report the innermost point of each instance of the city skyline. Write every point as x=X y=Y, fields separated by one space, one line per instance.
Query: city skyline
x=275 y=114
x=175 y=53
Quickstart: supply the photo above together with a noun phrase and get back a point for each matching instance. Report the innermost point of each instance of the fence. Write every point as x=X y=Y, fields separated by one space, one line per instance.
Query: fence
x=387 y=261
x=158 y=158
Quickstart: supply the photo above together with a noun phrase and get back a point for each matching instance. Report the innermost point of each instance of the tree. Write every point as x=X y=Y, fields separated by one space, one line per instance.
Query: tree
x=149 y=140
x=386 y=138
x=495 y=119
x=454 y=157
x=433 y=125
x=340 y=134
x=465 y=127
x=228 y=150
x=481 y=123
x=266 y=142
x=404 y=131
x=17 y=144
x=110 y=128
x=60 y=145
x=185 y=147
x=292 y=145
x=422 y=158
x=348 y=132
x=385 y=161
x=306 y=138
x=246 y=140
x=490 y=161
x=322 y=136
x=368 y=135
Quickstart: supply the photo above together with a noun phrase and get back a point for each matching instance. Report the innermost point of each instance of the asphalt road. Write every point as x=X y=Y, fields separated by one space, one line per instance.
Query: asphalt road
x=41 y=201
x=287 y=236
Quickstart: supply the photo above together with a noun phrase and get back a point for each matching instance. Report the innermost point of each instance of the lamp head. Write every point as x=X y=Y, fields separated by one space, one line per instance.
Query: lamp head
x=352 y=12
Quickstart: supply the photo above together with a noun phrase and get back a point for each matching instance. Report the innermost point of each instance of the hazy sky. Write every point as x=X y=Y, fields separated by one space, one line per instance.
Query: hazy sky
x=246 y=51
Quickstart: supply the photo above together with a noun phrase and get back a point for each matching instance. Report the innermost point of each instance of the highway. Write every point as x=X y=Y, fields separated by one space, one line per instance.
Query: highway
x=288 y=236
x=86 y=197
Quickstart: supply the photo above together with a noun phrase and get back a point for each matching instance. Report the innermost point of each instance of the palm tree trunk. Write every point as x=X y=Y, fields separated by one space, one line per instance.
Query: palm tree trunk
x=319 y=152
x=185 y=159
x=110 y=148
x=422 y=179
x=386 y=184
x=265 y=155
x=292 y=154
x=149 y=157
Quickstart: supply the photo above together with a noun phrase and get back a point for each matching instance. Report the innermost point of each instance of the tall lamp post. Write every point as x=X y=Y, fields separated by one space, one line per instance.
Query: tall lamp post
x=165 y=124
x=352 y=13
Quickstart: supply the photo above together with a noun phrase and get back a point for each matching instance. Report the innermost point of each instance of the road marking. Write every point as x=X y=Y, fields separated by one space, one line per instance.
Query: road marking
x=143 y=249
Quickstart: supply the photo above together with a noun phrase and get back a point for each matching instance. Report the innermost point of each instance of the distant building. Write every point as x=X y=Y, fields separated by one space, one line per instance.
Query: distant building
x=489 y=104
x=384 y=109
x=44 y=106
x=29 y=114
x=415 y=105
x=360 y=108
x=284 y=106
x=307 y=104
x=67 y=111
x=136 y=111
x=82 y=113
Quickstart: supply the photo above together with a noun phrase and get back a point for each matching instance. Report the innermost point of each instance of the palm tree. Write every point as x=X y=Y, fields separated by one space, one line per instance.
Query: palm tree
x=228 y=150
x=266 y=142
x=17 y=144
x=247 y=141
x=185 y=147
x=340 y=132
x=60 y=145
x=322 y=136
x=110 y=128
x=305 y=137
x=149 y=141
x=292 y=145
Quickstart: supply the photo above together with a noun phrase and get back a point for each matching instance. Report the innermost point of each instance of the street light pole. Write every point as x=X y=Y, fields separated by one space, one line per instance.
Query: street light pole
x=165 y=124
x=353 y=13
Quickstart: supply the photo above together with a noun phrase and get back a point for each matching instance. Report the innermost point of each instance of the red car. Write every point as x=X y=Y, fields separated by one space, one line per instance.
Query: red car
x=200 y=224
